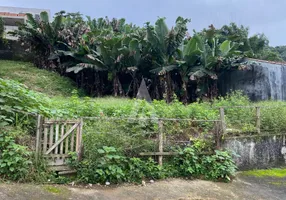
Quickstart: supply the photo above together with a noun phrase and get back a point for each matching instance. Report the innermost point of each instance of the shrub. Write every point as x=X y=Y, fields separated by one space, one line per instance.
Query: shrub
x=219 y=166
x=109 y=165
x=187 y=162
x=14 y=158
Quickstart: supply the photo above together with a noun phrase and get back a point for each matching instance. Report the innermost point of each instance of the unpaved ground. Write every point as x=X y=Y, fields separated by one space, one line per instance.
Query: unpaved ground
x=244 y=187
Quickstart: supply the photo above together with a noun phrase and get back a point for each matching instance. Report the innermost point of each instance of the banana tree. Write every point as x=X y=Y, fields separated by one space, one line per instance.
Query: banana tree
x=214 y=58
x=163 y=44
x=113 y=54
x=187 y=58
x=41 y=35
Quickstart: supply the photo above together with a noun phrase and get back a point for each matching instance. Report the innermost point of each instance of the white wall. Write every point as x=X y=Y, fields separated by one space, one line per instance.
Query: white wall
x=33 y=11
x=24 y=10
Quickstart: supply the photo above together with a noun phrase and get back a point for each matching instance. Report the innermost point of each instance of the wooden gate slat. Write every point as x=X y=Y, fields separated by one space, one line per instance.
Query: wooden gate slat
x=77 y=139
x=67 y=141
x=39 y=136
x=72 y=140
x=64 y=137
x=57 y=137
x=51 y=135
x=80 y=140
x=62 y=134
x=45 y=139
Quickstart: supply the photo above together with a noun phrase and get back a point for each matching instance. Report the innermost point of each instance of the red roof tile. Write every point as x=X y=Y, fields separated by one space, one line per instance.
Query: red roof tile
x=12 y=14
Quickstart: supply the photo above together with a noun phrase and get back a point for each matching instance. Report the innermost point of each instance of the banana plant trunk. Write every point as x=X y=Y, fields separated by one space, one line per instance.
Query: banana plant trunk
x=185 y=90
x=168 y=87
x=117 y=87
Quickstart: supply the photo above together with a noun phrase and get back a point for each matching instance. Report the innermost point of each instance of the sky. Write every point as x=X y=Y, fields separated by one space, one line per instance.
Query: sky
x=261 y=16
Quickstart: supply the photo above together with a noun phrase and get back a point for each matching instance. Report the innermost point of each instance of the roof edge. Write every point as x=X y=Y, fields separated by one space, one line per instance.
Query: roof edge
x=267 y=61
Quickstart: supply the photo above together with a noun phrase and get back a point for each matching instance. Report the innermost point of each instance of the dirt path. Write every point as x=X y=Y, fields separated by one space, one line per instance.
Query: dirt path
x=248 y=188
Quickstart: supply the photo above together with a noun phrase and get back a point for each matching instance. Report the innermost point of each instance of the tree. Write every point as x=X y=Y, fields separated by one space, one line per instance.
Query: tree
x=237 y=34
x=188 y=57
x=163 y=46
x=282 y=51
x=42 y=36
x=214 y=57
x=107 y=46
x=261 y=49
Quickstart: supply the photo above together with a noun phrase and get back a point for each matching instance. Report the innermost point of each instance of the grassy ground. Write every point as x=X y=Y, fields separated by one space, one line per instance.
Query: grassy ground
x=276 y=172
x=36 y=79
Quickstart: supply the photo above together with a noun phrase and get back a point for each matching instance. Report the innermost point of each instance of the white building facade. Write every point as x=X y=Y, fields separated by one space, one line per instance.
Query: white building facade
x=13 y=15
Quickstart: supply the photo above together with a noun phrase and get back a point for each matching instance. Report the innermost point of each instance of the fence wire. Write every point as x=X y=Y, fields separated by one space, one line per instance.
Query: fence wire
x=134 y=136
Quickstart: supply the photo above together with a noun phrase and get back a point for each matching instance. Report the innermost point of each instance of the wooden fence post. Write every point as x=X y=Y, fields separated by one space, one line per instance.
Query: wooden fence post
x=38 y=136
x=80 y=147
x=160 y=158
x=258 y=119
x=222 y=119
x=222 y=128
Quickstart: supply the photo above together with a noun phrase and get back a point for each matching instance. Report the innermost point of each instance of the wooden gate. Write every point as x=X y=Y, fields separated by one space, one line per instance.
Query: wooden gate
x=56 y=138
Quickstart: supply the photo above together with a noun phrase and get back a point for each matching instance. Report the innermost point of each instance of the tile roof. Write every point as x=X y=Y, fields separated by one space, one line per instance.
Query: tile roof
x=12 y=14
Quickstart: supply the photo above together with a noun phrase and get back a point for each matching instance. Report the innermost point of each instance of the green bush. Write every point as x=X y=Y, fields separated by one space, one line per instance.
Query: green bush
x=14 y=159
x=219 y=166
x=273 y=116
x=108 y=165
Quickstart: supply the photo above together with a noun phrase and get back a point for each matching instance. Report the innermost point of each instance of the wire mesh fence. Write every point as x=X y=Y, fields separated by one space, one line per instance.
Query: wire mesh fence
x=147 y=136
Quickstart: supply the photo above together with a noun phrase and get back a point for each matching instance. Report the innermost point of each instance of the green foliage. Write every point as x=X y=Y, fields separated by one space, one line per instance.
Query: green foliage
x=282 y=51
x=241 y=118
x=219 y=166
x=198 y=161
x=15 y=96
x=107 y=164
x=1 y=28
x=187 y=162
x=14 y=158
x=273 y=116
x=98 y=53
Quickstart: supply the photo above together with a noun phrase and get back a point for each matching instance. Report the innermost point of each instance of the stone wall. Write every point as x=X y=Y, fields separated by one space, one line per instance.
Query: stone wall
x=256 y=151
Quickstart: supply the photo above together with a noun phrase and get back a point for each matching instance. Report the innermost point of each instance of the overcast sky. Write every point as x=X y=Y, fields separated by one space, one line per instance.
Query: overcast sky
x=261 y=16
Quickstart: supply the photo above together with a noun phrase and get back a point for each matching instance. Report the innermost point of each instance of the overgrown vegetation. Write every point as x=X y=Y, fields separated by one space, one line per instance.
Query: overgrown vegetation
x=109 y=165
x=110 y=57
x=112 y=146
x=35 y=79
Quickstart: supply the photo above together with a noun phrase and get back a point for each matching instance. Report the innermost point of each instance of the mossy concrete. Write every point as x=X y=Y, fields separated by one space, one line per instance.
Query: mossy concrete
x=256 y=151
x=276 y=173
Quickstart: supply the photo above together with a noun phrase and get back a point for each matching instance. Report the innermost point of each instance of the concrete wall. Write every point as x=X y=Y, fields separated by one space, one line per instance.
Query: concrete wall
x=262 y=80
x=256 y=151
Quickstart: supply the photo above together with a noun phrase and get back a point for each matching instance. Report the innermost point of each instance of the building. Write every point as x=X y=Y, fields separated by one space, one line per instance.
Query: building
x=13 y=15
